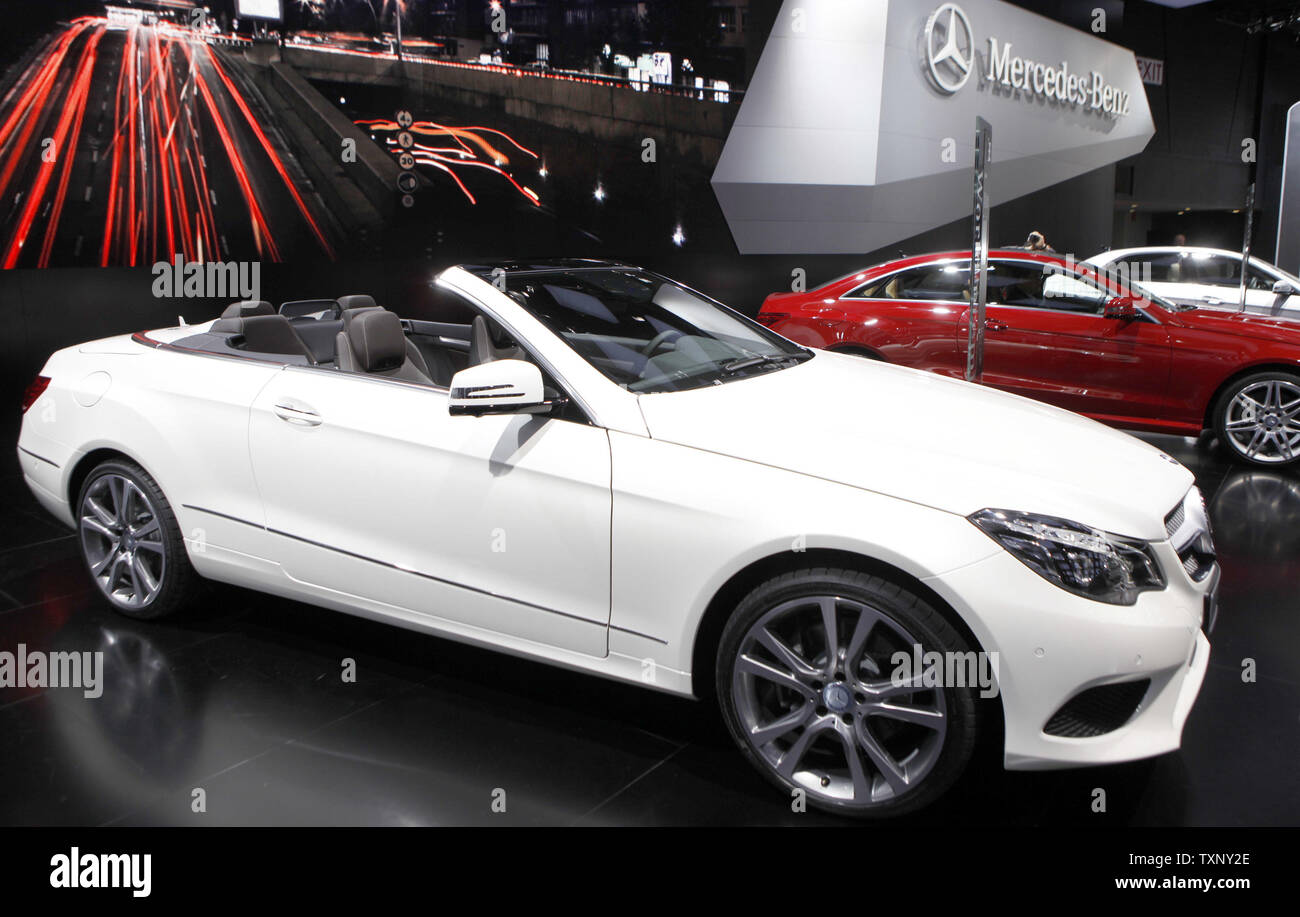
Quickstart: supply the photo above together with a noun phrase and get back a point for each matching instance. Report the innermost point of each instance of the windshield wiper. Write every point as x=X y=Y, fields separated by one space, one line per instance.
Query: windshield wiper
x=743 y=363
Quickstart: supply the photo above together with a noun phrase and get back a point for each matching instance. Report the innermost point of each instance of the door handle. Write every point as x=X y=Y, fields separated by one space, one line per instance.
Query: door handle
x=298 y=414
x=992 y=324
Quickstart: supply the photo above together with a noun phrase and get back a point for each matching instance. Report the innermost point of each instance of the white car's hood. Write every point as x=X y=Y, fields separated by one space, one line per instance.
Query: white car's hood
x=928 y=439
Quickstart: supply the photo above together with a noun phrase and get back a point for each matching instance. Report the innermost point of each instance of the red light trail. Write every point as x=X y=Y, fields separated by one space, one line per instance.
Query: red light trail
x=170 y=152
x=448 y=159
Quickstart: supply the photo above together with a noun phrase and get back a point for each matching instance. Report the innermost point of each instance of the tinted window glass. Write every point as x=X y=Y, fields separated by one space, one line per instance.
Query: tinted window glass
x=947 y=282
x=1018 y=283
x=1218 y=270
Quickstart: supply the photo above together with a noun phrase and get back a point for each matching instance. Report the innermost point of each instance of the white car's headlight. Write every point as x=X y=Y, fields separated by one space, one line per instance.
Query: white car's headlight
x=1078 y=558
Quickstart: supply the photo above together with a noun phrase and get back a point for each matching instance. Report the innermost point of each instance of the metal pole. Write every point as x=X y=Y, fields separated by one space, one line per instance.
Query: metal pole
x=397 y=14
x=979 y=255
x=1245 y=245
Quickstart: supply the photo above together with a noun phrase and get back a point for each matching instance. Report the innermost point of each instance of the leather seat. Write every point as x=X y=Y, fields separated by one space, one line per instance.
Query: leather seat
x=247 y=308
x=372 y=341
x=319 y=335
x=488 y=341
x=357 y=301
x=271 y=334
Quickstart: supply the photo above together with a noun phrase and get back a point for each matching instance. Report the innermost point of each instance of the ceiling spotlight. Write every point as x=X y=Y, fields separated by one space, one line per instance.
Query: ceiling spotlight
x=542 y=171
x=679 y=237
x=599 y=193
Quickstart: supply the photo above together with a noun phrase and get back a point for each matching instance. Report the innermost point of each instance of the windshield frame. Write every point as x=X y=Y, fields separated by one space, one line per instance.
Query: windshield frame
x=786 y=353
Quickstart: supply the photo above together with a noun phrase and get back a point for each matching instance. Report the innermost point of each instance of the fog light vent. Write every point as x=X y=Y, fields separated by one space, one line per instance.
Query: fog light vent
x=1098 y=710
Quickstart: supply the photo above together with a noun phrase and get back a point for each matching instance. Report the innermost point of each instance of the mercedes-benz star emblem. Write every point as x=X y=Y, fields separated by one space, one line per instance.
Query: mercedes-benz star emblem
x=949 y=48
x=836 y=697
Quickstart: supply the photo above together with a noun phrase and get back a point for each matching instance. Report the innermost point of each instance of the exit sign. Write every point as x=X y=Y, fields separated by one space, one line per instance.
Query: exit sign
x=1152 y=70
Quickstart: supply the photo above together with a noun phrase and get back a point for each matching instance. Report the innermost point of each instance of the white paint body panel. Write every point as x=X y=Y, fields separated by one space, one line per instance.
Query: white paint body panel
x=618 y=534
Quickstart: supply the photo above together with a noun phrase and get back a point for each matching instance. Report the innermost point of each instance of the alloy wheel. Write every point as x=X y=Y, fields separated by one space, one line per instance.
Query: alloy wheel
x=122 y=539
x=814 y=690
x=1263 y=421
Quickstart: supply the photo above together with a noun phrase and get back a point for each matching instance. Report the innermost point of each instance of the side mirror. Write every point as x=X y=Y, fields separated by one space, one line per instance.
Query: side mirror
x=498 y=387
x=1121 y=308
x=1283 y=288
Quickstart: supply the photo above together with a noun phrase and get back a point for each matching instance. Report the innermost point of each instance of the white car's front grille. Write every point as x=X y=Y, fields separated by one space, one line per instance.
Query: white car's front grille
x=1174 y=521
x=1188 y=526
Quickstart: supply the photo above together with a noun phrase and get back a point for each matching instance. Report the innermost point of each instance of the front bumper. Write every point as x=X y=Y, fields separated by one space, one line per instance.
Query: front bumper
x=1053 y=645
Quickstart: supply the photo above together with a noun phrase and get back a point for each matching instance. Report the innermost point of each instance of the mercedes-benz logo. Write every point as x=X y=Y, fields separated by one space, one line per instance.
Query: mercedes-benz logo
x=949 y=48
x=836 y=696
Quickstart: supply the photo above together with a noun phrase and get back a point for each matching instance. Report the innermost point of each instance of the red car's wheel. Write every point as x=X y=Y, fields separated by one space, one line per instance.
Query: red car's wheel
x=1258 y=418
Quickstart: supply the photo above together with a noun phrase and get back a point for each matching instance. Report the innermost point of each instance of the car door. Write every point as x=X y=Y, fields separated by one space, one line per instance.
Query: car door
x=373 y=492
x=1046 y=338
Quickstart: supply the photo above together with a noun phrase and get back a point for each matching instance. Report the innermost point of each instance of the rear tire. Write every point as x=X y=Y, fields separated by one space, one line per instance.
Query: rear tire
x=1257 y=419
x=131 y=543
x=825 y=715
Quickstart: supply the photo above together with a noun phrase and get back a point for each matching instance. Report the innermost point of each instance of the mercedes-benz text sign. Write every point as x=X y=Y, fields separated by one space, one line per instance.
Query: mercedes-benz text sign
x=855 y=132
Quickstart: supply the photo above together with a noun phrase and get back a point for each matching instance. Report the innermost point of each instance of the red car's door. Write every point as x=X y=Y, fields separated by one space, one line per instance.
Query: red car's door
x=1046 y=338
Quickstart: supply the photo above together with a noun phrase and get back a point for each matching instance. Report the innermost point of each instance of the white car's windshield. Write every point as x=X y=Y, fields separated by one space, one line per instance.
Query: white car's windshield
x=647 y=333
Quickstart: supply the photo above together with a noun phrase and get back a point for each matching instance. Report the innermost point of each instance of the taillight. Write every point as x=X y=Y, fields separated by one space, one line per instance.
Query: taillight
x=34 y=391
x=771 y=318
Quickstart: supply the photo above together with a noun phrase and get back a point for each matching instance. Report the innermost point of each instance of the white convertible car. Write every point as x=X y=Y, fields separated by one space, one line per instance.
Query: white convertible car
x=610 y=472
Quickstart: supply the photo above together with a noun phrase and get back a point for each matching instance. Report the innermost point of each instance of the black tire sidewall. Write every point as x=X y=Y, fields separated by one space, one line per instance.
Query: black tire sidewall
x=178 y=574
x=918 y=617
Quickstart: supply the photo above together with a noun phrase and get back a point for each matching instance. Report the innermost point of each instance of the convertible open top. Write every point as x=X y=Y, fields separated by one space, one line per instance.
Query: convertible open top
x=351 y=334
x=354 y=333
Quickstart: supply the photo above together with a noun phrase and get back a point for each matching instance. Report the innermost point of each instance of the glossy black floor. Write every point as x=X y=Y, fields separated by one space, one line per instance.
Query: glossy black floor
x=243 y=698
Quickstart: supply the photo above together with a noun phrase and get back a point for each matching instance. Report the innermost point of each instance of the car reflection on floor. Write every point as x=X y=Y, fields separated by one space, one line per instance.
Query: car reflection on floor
x=244 y=699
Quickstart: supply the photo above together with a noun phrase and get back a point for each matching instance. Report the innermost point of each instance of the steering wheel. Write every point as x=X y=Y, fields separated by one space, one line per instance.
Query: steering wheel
x=659 y=340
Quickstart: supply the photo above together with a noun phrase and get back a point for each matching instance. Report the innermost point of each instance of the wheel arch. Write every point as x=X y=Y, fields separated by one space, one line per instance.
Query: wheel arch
x=1292 y=369
x=708 y=633
x=82 y=468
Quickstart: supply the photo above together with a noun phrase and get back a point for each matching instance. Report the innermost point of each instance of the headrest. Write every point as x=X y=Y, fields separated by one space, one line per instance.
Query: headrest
x=246 y=307
x=356 y=301
x=377 y=340
x=348 y=315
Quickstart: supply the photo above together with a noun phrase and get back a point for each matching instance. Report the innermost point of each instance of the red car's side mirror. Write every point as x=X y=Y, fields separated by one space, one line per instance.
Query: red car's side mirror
x=1122 y=308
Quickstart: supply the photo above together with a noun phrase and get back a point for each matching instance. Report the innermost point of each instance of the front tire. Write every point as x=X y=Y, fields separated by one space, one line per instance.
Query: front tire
x=1258 y=419
x=805 y=684
x=131 y=543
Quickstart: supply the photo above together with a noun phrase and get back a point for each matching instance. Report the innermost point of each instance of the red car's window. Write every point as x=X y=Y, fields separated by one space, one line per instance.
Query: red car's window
x=945 y=282
x=1042 y=286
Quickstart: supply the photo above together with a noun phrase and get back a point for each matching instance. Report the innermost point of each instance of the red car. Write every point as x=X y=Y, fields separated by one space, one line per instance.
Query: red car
x=1057 y=332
